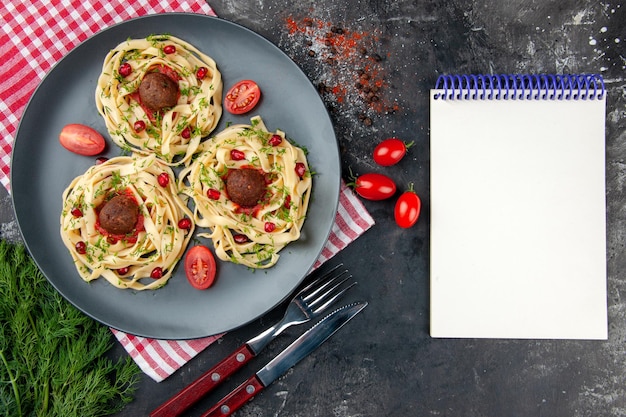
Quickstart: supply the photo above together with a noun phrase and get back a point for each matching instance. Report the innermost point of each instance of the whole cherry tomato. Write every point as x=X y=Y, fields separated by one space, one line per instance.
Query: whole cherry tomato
x=390 y=151
x=81 y=139
x=373 y=186
x=407 y=209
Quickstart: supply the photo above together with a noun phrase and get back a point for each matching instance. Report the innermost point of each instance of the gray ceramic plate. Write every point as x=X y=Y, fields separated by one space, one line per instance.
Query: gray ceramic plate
x=41 y=169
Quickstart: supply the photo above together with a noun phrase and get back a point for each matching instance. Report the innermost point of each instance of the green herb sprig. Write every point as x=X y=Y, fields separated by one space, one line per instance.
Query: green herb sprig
x=52 y=359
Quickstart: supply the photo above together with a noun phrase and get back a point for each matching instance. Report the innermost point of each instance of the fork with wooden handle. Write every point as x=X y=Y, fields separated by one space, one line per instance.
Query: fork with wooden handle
x=309 y=303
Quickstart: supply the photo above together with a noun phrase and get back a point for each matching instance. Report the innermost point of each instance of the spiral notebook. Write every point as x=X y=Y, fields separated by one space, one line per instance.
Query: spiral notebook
x=518 y=211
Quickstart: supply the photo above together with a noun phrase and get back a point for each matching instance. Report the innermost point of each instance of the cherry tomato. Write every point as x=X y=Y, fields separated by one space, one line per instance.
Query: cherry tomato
x=407 y=209
x=390 y=151
x=81 y=139
x=242 y=97
x=169 y=49
x=373 y=186
x=200 y=267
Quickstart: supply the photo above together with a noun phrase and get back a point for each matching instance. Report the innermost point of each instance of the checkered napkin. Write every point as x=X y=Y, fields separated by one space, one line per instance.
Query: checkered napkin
x=34 y=36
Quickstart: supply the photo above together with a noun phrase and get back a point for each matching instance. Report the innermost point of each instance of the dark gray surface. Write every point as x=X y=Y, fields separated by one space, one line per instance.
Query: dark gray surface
x=384 y=363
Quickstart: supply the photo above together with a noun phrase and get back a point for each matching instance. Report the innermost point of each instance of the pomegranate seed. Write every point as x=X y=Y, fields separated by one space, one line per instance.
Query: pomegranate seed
x=275 y=140
x=156 y=273
x=239 y=238
x=184 y=223
x=163 y=179
x=169 y=49
x=213 y=194
x=269 y=227
x=300 y=169
x=202 y=72
x=186 y=133
x=81 y=247
x=123 y=270
x=237 y=155
x=139 y=126
x=77 y=212
x=101 y=160
x=287 y=203
x=125 y=69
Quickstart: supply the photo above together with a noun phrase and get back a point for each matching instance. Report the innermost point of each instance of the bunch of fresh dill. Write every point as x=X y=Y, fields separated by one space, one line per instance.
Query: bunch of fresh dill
x=52 y=359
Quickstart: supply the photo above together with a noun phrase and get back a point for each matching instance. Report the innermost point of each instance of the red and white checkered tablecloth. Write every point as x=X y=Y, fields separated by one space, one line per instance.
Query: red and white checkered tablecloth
x=35 y=35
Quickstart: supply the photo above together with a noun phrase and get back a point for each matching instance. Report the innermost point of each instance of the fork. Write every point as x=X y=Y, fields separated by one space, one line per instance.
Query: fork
x=307 y=304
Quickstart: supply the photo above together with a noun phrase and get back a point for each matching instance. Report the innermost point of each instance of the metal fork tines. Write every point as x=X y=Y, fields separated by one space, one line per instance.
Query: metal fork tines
x=308 y=303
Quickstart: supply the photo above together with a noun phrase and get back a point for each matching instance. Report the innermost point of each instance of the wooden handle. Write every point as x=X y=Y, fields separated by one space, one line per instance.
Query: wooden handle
x=238 y=397
x=189 y=395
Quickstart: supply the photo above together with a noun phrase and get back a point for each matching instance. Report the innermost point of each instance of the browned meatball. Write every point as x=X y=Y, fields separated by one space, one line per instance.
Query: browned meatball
x=245 y=186
x=119 y=215
x=158 y=91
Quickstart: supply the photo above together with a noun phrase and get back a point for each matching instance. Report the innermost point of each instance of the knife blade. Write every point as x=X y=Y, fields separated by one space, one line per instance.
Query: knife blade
x=294 y=353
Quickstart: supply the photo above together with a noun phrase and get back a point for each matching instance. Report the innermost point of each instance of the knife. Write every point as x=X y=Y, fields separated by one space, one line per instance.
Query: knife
x=294 y=353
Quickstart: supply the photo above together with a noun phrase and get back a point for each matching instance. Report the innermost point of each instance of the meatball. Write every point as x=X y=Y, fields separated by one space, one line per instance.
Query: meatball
x=119 y=215
x=158 y=91
x=245 y=186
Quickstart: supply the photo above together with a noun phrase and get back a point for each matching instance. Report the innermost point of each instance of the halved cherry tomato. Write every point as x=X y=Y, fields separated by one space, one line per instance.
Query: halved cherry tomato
x=242 y=97
x=374 y=186
x=390 y=151
x=81 y=139
x=200 y=267
x=407 y=209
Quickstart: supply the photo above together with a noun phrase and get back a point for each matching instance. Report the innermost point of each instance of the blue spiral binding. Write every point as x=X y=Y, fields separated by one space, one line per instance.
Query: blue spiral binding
x=520 y=87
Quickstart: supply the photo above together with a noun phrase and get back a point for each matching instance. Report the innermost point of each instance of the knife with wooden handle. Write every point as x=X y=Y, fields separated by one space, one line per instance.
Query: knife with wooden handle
x=293 y=354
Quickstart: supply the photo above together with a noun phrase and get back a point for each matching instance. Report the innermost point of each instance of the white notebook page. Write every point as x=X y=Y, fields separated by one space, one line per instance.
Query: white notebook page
x=518 y=219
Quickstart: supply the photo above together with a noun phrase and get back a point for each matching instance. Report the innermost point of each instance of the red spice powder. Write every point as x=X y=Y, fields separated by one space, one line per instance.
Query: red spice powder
x=350 y=71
